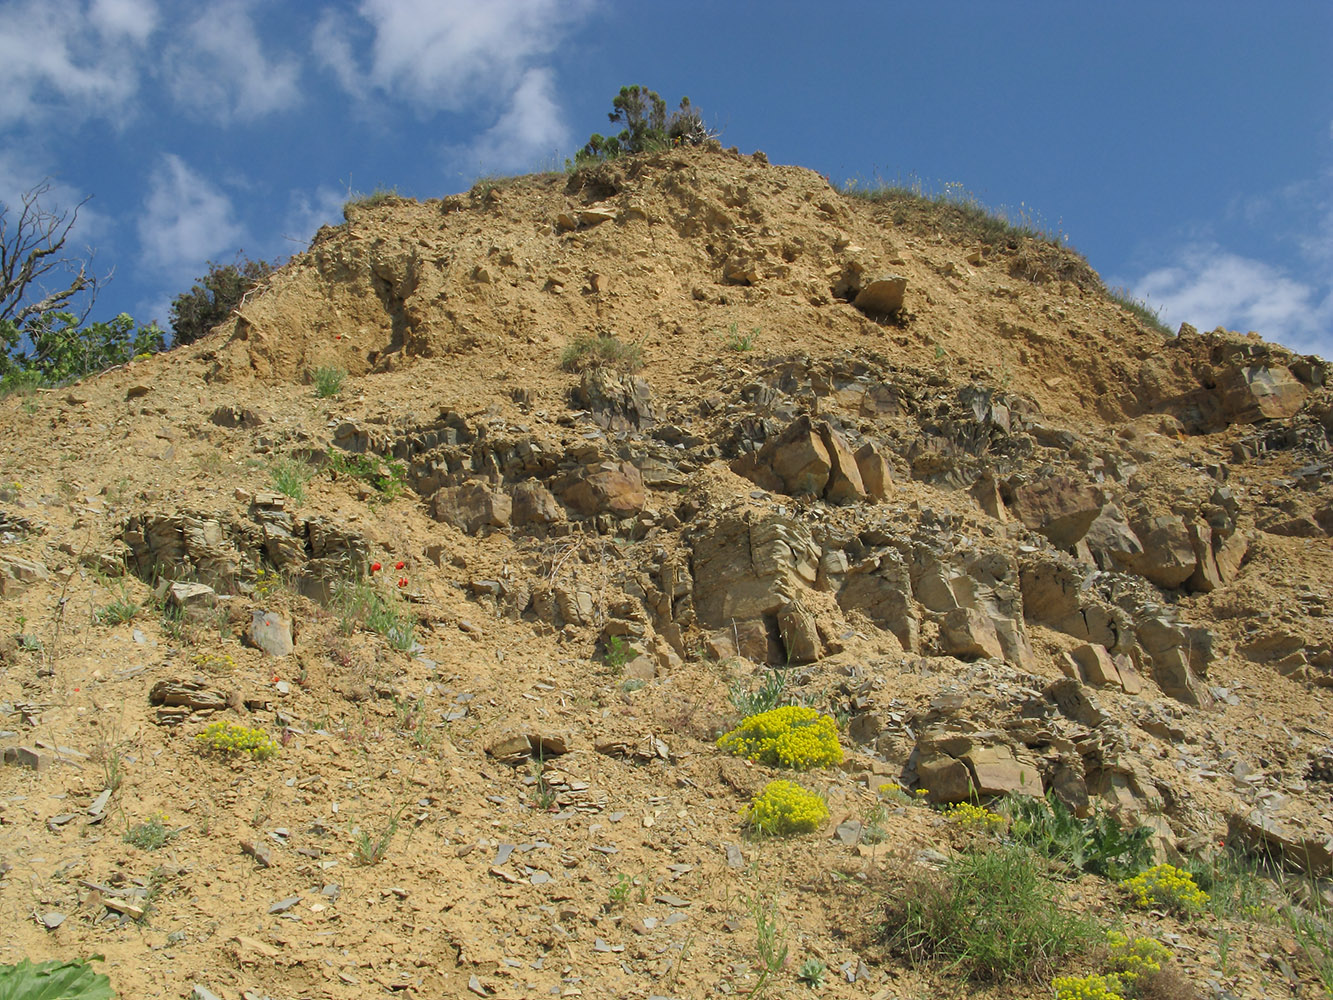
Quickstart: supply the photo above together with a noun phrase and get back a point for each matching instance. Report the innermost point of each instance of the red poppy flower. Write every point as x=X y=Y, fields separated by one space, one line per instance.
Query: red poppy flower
x=402 y=582
x=399 y=564
x=374 y=567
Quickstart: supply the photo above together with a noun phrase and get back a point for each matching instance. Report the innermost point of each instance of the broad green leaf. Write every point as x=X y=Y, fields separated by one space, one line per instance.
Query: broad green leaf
x=53 y=980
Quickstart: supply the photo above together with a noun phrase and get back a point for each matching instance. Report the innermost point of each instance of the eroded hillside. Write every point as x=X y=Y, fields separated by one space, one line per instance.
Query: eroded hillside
x=1013 y=540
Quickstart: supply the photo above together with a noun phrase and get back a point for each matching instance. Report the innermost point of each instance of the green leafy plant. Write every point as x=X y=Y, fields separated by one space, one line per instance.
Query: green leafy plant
x=360 y=603
x=621 y=890
x=232 y=738
x=120 y=610
x=770 y=694
x=387 y=476
x=601 y=351
x=991 y=915
x=738 y=341
x=812 y=972
x=648 y=128
x=212 y=298
x=58 y=347
x=289 y=477
x=770 y=941
x=784 y=808
x=149 y=835
x=793 y=736
x=618 y=652
x=328 y=381
x=1097 y=844
x=54 y=980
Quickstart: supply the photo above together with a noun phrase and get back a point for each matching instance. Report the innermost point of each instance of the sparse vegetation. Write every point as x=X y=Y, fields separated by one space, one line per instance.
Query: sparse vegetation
x=989 y=915
x=785 y=808
x=232 y=739
x=357 y=200
x=211 y=300
x=794 y=736
x=1140 y=310
x=1166 y=886
x=770 y=694
x=372 y=850
x=812 y=972
x=601 y=351
x=387 y=476
x=289 y=476
x=149 y=835
x=1097 y=844
x=648 y=127
x=119 y=610
x=740 y=342
x=359 y=603
x=770 y=941
x=328 y=381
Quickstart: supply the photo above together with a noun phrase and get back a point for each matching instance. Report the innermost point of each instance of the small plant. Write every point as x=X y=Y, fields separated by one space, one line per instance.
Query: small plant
x=328 y=381
x=1093 y=987
x=1131 y=958
x=231 y=739
x=1097 y=844
x=618 y=653
x=783 y=808
x=770 y=694
x=360 y=603
x=975 y=819
x=795 y=736
x=289 y=477
x=1139 y=309
x=738 y=341
x=991 y=915
x=387 y=476
x=267 y=583
x=214 y=663
x=601 y=351
x=149 y=835
x=770 y=941
x=620 y=892
x=1166 y=886
x=54 y=980
x=371 y=851
x=812 y=972
x=380 y=196
x=119 y=611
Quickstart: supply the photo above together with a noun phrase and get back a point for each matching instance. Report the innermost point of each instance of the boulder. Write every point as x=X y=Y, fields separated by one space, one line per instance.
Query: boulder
x=614 y=488
x=876 y=473
x=881 y=296
x=969 y=634
x=1206 y=576
x=800 y=636
x=471 y=507
x=999 y=769
x=844 y=484
x=534 y=504
x=270 y=632
x=750 y=565
x=799 y=459
x=1111 y=540
x=1311 y=853
x=1075 y=702
x=616 y=401
x=193 y=600
x=1253 y=393
x=16 y=575
x=1095 y=665
x=1060 y=507
x=986 y=492
x=1168 y=557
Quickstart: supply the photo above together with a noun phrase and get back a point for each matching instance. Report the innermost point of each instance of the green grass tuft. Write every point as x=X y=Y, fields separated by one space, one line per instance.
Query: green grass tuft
x=601 y=351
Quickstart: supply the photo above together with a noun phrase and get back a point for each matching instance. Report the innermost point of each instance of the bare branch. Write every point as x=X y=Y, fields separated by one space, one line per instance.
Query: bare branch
x=32 y=255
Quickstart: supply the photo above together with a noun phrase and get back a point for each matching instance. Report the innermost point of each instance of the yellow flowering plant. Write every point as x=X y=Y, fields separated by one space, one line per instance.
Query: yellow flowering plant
x=1134 y=957
x=793 y=736
x=974 y=818
x=230 y=738
x=1168 y=886
x=1088 y=988
x=784 y=807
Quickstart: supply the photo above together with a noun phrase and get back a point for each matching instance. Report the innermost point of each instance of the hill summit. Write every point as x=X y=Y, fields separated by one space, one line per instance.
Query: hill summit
x=492 y=513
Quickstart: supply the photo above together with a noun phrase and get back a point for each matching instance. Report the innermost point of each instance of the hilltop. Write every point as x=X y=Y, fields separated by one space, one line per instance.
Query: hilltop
x=496 y=601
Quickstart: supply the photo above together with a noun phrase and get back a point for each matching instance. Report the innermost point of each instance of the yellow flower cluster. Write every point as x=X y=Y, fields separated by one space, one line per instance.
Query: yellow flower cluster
x=1166 y=885
x=793 y=736
x=971 y=817
x=1132 y=957
x=783 y=807
x=233 y=738
x=1087 y=988
x=266 y=583
x=214 y=663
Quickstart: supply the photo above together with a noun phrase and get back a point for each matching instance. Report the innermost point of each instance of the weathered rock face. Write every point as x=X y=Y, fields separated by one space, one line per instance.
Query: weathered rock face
x=614 y=488
x=617 y=402
x=968 y=634
x=809 y=458
x=1060 y=507
x=751 y=565
x=957 y=766
x=16 y=575
x=1167 y=558
x=534 y=504
x=880 y=587
x=1252 y=393
x=472 y=507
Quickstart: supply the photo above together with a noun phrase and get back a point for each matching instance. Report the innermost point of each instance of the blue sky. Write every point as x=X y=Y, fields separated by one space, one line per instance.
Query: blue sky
x=1185 y=148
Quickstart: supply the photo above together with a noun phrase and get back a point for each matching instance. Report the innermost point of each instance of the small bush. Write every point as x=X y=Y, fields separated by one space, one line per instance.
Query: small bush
x=232 y=739
x=1131 y=958
x=149 y=835
x=213 y=297
x=1166 y=886
x=1097 y=845
x=741 y=342
x=785 y=808
x=387 y=476
x=974 y=818
x=601 y=351
x=794 y=736
x=380 y=196
x=1087 y=988
x=989 y=915
x=648 y=128
x=328 y=381
x=812 y=972
x=360 y=603
x=118 y=612
x=372 y=850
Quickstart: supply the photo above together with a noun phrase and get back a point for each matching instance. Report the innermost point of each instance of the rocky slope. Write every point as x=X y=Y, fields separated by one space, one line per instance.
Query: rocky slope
x=1013 y=539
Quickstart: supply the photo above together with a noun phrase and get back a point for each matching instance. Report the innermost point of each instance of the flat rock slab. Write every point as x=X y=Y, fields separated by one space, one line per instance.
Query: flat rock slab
x=272 y=633
x=883 y=295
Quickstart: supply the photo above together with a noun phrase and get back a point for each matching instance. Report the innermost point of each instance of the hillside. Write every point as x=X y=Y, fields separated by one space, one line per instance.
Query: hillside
x=1010 y=537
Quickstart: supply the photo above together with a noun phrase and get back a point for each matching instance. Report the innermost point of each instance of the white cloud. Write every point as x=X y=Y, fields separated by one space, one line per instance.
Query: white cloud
x=307 y=213
x=186 y=221
x=66 y=59
x=532 y=127
x=219 y=69
x=1208 y=286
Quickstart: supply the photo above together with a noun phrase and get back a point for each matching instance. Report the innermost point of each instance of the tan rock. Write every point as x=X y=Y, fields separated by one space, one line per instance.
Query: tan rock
x=1000 y=770
x=844 y=483
x=968 y=633
x=1206 y=576
x=533 y=503
x=1250 y=394
x=1059 y=507
x=1095 y=666
x=876 y=473
x=1167 y=558
x=882 y=295
x=16 y=575
x=746 y=566
x=987 y=493
x=471 y=507
x=614 y=488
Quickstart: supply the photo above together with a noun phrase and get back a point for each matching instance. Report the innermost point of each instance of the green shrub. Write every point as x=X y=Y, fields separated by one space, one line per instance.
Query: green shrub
x=213 y=297
x=1097 y=845
x=231 y=739
x=289 y=477
x=328 y=381
x=793 y=736
x=989 y=915
x=647 y=129
x=784 y=807
x=770 y=694
x=359 y=603
x=601 y=351
x=54 y=980
x=149 y=835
